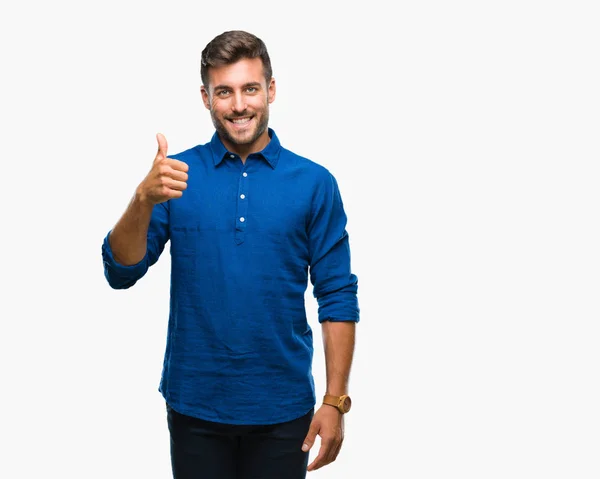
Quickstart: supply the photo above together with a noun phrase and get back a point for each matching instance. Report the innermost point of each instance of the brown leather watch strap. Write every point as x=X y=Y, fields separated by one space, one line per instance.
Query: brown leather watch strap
x=331 y=400
x=341 y=403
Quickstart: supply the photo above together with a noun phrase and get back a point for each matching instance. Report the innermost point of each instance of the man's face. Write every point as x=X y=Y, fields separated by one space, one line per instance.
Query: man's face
x=238 y=98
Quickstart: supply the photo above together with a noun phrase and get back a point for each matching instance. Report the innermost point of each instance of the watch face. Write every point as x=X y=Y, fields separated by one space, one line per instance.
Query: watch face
x=347 y=404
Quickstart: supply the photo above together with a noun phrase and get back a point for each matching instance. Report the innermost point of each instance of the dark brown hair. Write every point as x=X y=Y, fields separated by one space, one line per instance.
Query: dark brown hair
x=230 y=47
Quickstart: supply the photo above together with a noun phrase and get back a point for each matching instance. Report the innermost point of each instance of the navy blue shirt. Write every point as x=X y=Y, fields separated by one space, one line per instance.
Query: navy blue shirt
x=244 y=240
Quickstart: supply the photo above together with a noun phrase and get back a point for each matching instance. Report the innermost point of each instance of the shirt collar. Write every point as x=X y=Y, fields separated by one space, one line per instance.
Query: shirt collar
x=270 y=152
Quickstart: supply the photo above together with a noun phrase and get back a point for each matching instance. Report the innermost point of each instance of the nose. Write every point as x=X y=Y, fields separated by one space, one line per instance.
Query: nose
x=238 y=103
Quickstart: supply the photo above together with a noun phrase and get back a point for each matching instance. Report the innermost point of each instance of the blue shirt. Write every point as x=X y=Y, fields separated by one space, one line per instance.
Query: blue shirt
x=244 y=240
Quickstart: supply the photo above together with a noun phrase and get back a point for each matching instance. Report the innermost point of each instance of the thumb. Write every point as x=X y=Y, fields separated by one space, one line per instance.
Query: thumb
x=309 y=440
x=162 y=144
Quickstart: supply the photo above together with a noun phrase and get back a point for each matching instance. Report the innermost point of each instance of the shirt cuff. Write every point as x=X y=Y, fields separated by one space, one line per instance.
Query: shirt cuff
x=134 y=271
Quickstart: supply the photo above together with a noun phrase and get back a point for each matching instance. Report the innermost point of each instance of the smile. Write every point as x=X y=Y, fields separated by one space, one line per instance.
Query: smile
x=241 y=121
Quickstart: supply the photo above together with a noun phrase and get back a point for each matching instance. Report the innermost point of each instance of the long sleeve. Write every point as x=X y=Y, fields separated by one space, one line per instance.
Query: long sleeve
x=123 y=277
x=334 y=285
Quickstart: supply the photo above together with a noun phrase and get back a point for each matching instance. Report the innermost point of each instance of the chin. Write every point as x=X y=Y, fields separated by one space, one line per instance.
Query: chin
x=242 y=138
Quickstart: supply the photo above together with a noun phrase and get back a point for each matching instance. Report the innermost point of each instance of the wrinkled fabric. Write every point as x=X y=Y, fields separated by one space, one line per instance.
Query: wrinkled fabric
x=245 y=239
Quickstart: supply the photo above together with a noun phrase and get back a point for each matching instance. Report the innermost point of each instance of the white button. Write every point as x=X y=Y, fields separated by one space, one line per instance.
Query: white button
x=244 y=174
x=231 y=156
x=242 y=196
x=242 y=219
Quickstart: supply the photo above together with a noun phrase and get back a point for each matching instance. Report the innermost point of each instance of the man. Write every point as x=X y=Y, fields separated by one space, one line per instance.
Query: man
x=246 y=220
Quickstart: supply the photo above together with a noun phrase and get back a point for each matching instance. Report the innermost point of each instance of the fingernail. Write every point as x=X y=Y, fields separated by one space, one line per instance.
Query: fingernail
x=305 y=447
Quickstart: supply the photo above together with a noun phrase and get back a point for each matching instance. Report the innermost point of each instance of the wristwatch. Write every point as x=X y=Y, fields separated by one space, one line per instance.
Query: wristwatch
x=341 y=403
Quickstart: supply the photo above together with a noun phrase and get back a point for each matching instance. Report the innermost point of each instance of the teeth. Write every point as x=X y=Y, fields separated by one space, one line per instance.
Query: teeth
x=241 y=120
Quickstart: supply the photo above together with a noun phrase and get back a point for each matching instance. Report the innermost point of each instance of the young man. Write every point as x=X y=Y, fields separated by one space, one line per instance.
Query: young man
x=246 y=220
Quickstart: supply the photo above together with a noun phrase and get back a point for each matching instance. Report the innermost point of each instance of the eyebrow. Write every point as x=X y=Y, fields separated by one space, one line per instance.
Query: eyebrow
x=245 y=85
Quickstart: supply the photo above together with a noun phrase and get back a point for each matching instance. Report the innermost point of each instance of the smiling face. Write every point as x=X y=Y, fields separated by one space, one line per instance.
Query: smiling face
x=238 y=98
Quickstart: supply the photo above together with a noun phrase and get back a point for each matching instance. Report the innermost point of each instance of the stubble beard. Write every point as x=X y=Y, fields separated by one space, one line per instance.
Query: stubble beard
x=226 y=136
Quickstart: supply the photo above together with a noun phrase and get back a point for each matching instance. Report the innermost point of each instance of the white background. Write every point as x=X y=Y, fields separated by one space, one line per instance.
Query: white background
x=464 y=137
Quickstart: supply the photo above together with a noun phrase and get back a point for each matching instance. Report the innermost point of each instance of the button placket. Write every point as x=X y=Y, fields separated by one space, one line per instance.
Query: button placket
x=242 y=208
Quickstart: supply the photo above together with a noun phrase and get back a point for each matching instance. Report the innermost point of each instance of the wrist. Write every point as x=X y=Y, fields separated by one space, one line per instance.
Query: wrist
x=140 y=200
x=342 y=403
x=336 y=392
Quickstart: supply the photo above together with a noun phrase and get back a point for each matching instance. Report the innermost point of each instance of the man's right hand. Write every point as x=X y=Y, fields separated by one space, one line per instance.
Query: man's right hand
x=166 y=180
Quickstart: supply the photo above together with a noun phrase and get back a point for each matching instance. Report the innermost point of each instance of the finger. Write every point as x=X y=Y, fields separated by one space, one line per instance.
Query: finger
x=174 y=194
x=177 y=165
x=162 y=145
x=177 y=175
x=309 y=440
x=174 y=184
x=165 y=193
x=322 y=458
x=162 y=169
x=171 y=163
x=337 y=451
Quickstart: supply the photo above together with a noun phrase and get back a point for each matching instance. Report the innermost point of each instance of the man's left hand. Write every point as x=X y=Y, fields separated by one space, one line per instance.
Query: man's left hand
x=328 y=423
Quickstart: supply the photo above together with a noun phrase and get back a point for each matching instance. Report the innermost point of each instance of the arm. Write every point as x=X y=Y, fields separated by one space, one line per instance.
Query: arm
x=166 y=180
x=134 y=244
x=338 y=341
x=335 y=288
x=137 y=240
x=328 y=423
x=128 y=239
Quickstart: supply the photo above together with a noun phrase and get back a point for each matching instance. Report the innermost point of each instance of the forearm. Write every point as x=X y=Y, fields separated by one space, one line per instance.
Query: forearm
x=128 y=239
x=338 y=342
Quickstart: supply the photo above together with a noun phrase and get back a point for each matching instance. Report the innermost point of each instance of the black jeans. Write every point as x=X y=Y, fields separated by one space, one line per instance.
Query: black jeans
x=209 y=450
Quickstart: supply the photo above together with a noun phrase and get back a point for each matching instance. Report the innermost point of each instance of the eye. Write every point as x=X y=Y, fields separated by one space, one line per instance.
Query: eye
x=223 y=92
x=251 y=89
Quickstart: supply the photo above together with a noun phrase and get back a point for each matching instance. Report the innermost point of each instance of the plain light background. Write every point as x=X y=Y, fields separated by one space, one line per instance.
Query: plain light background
x=464 y=137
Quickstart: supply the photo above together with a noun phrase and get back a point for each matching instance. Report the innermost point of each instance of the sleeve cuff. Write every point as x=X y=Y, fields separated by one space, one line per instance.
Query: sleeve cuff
x=340 y=307
x=115 y=269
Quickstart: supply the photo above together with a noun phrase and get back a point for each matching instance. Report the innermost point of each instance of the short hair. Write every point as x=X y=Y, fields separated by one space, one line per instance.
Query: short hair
x=233 y=46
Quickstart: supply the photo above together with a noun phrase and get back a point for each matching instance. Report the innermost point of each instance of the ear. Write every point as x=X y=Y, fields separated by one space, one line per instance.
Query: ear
x=271 y=91
x=205 y=97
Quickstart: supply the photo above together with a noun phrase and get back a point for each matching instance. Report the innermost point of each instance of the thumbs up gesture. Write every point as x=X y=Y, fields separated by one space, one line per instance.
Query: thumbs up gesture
x=166 y=180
